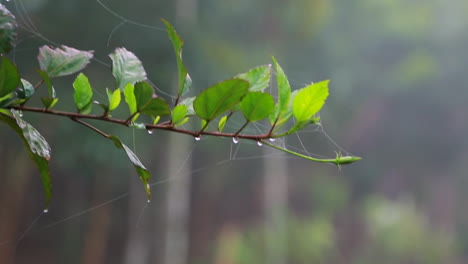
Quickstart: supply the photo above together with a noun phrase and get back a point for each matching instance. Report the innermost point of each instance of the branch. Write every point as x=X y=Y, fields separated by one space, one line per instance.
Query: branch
x=91 y=127
x=162 y=126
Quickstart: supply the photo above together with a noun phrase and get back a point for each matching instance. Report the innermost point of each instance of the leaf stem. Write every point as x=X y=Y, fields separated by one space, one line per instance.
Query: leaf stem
x=273 y=126
x=240 y=129
x=130 y=118
x=38 y=84
x=201 y=130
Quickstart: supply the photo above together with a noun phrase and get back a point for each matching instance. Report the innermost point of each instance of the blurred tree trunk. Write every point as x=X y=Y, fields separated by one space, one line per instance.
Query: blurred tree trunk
x=138 y=249
x=178 y=200
x=12 y=197
x=178 y=169
x=97 y=234
x=276 y=208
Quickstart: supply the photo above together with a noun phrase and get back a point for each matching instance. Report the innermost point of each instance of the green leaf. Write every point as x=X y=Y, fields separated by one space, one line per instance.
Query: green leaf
x=48 y=83
x=143 y=94
x=37 y=143
x=87 y=108
x=302 y=124
x=27 y=90
x=114 y=99
x=130 y=98
x=83 y=93
x=187 y=84
x=183 y=121
x=344 y=160
x=156 y=107
x=184 y=79
x=178 y=113
x=222 y=123
x=310 y=100
x=37 y=146
x=259 y=78
x=156 y=120
x=220 y=98
x=49 y=102
x=140 y=168
x=8 y=27
x=9 y=100
x=288 y=114
x=126 y=68
x=257 y=106
x=203 y=123
x=9 y=77
x=189 y=103
x=62 y=61
x=284 y=92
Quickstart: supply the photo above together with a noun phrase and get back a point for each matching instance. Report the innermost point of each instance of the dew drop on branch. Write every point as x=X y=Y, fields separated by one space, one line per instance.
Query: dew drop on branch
x=272 y=139
x=150 y=131
x=197 y=138
x=149 y=201
x=235 y=140
x=259 y=143
x=46 y=211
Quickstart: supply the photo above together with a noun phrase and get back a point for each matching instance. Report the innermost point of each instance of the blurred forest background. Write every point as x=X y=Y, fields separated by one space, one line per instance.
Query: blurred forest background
x=398 y=98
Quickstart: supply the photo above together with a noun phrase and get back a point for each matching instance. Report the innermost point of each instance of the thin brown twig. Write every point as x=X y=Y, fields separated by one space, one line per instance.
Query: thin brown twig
x=38 y=84
x=240 y=129
x=161 y=126
x=91 y=127
x=273 y=126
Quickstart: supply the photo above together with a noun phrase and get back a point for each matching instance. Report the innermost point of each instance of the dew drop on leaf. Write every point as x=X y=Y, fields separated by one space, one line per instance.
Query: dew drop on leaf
x=235 y=140
x=197 y=138
x=259 y=143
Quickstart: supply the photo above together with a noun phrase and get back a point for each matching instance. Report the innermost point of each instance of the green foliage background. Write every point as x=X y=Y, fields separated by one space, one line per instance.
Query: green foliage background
x=398 y=98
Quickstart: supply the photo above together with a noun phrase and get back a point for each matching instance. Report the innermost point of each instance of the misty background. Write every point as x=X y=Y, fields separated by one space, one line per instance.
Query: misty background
x=398 y=98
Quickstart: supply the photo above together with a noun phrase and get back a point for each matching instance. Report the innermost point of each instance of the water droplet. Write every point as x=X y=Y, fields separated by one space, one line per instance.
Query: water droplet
x=235 y=140
x=197 y=138
x=147 y=186
x=96 y=102
x=46 y=211
x=259 y=143
x=20 y=113
x=150 y=131
x=272 y=139
x=149 y=201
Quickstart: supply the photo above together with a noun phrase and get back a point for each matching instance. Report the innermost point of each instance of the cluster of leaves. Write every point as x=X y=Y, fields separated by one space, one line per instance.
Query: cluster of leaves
x=244 y=93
